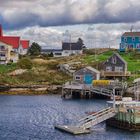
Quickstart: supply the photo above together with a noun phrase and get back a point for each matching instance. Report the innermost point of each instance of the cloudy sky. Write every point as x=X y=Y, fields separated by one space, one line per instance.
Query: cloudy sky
x=99 y=23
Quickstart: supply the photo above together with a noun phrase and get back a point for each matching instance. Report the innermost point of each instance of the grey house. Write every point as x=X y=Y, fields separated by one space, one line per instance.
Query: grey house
x=115 y=66
x=86 y=75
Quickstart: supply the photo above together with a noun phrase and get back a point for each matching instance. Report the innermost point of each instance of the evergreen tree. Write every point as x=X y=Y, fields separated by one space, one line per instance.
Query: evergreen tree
x=35 y=49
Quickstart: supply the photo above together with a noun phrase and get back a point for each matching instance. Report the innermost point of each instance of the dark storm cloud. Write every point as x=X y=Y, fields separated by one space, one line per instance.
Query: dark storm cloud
x=18 y=14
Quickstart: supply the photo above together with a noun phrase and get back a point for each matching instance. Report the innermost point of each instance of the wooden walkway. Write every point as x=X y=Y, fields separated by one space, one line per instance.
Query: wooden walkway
x=84 y=125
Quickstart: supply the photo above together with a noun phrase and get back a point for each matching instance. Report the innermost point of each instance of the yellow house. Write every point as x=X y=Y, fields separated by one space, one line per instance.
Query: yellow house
x=7 y=54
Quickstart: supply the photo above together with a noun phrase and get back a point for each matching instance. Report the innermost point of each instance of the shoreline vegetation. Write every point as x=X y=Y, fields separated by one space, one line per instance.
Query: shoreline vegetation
x=35 y=75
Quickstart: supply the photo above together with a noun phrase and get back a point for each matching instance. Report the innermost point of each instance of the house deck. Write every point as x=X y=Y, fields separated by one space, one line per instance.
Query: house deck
x=115 y=74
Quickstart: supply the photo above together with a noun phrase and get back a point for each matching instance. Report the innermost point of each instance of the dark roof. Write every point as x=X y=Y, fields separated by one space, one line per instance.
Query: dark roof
x=120 y=58
x=71 y=46
x=131 y=34
x=116 y=54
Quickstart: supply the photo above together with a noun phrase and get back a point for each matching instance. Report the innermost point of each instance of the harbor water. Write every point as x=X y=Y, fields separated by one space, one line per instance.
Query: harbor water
x=34 y=118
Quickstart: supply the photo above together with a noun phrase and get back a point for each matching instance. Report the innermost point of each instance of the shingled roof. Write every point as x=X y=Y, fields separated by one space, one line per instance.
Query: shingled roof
x=132 y=34
x=71 y=46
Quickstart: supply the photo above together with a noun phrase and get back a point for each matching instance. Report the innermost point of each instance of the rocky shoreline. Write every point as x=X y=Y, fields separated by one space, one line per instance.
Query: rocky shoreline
x=30 y=89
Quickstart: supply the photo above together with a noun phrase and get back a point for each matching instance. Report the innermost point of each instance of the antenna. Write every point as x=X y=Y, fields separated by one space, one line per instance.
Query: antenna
x=131 y=29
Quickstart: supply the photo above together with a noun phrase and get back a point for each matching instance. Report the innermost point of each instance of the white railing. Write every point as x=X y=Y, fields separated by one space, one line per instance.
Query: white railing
x=96 y=118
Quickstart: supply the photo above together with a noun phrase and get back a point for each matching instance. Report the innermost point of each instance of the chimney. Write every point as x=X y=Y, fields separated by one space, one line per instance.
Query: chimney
x=1 y=34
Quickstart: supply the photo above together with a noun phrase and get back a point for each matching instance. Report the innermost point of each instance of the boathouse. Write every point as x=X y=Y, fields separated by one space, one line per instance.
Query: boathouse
x=86 y=75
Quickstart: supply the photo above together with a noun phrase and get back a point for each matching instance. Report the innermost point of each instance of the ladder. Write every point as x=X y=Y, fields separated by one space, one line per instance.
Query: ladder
x=96 y=118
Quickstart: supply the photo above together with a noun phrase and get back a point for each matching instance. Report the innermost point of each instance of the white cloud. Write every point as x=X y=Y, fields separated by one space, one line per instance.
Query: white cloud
x=99 y=35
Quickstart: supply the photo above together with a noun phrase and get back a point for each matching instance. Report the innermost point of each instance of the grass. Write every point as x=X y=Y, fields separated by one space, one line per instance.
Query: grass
x=133 y=63
x=46 y=72
x=7 y=68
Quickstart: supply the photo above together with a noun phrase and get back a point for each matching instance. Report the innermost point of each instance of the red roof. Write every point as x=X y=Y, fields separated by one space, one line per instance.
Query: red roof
x=135 y=34
x=25 y=44
x=11 y=40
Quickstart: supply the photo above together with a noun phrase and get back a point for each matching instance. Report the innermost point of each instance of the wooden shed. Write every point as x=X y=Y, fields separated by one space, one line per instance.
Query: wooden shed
x=86 y=75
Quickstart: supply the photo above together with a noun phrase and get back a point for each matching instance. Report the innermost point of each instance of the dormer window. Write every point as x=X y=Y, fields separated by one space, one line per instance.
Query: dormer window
x=133 y=39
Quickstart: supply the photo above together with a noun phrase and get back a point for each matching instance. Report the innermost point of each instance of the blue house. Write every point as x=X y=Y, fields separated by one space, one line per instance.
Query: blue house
x=130 y=41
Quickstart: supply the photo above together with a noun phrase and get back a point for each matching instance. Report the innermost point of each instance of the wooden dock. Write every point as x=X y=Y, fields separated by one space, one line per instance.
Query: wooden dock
x=84 y=125
x=81 y=91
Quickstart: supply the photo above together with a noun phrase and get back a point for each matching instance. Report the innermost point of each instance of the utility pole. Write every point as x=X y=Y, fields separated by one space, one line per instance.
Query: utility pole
x=114 y=100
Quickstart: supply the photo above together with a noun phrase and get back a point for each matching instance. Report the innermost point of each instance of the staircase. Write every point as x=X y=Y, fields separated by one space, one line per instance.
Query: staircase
x=96 y=118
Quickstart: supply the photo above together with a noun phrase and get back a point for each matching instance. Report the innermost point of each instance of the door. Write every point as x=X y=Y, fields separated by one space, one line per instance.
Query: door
x=88 y=79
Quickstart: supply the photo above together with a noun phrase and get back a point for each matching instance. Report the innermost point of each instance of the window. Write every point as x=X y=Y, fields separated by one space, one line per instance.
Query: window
x=133 y=39
x=118 y=69
x=2 y=47
x=138 y=46
x=2 y=55
x=108 y=68
x=130 y=46
x=58 y=53
x=77 y=78
x=125 y=39
x=122 y=46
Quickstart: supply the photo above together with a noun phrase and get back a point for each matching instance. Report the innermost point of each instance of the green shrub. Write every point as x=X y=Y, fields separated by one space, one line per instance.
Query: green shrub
x=25 y=63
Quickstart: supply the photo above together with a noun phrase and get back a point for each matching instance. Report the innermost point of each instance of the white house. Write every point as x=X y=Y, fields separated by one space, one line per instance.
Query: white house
x=7 y=54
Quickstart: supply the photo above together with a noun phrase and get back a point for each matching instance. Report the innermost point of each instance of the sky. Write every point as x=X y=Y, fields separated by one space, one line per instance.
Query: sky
x=100 y=23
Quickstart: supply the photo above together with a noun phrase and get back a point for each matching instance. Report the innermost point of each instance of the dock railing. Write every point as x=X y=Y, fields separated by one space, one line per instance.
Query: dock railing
x=95 y=118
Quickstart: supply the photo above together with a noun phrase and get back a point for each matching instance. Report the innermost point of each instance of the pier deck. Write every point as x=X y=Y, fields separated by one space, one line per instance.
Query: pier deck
x=75 y=130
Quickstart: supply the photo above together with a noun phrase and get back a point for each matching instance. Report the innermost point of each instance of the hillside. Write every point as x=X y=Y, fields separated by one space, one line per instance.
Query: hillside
x=45 y=70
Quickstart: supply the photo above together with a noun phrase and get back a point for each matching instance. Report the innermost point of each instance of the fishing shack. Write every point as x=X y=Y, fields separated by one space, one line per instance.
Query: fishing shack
x=81 y=86
x=86 y=75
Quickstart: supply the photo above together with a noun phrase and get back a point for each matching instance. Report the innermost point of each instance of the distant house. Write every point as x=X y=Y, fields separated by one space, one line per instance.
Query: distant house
x=18 y=45
x=7 y=54
x=86 y=75
x=67 y=50
x=115 y=66
x=71 y=48
x=130 y=41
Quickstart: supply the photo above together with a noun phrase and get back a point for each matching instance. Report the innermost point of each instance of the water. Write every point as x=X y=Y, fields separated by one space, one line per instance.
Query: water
x=34 y=117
